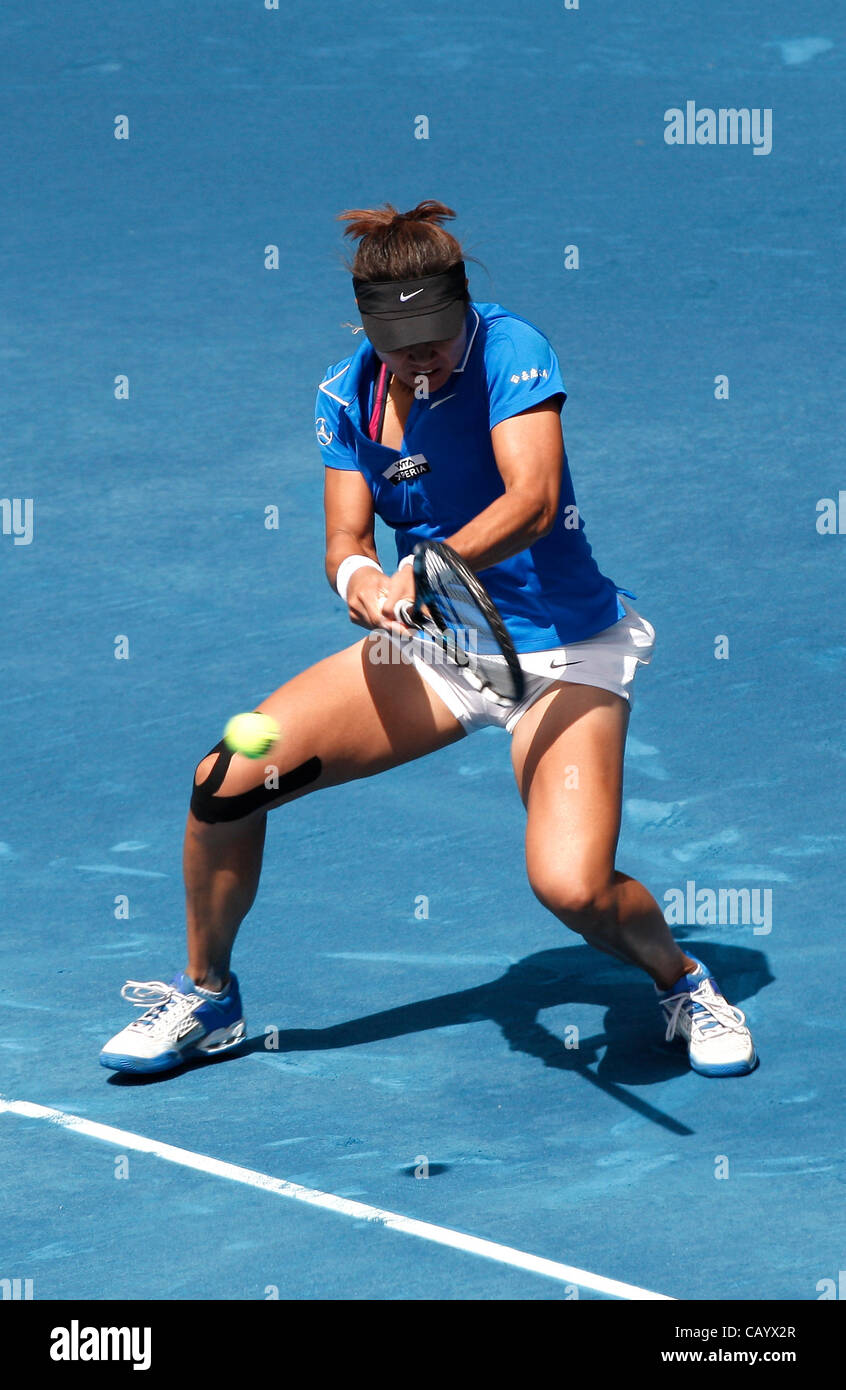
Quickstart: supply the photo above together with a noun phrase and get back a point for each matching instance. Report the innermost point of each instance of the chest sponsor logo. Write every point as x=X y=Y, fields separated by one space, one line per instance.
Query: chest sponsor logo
x=403 y=470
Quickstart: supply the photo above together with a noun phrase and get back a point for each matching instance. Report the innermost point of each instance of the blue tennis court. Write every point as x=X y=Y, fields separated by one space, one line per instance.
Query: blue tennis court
x=444 y=1093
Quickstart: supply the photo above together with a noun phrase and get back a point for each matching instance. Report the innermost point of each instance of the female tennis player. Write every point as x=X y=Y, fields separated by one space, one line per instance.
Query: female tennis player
x=445 y=423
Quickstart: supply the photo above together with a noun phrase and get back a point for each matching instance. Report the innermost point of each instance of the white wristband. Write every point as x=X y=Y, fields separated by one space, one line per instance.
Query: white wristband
x=347 y=568
x=406 y=560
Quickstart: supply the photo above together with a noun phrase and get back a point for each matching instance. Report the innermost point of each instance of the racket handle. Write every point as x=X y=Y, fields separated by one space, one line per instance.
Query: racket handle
x=405 y=612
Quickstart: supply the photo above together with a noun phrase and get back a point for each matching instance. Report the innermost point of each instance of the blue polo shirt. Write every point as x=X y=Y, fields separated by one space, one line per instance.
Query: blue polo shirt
x=550 y=594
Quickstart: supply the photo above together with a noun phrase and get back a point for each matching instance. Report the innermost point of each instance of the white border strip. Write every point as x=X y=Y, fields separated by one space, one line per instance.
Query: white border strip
x=439 y=1235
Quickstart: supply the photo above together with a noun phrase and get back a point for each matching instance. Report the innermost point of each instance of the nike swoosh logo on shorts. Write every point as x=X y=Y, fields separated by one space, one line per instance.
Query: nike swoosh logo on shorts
x=565 y=663
x=404 y=297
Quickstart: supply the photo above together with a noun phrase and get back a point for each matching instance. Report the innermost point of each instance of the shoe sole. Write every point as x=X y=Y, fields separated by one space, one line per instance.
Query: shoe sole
x=144 y=1066
x=726 y=1068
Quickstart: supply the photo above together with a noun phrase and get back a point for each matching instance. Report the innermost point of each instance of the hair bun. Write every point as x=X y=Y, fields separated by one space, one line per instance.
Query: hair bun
x=430 y=210
x=396 y=245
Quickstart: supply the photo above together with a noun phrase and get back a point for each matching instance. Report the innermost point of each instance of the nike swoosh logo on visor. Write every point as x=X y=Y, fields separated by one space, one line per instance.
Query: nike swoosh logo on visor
x=565 y=663
x=404 y=297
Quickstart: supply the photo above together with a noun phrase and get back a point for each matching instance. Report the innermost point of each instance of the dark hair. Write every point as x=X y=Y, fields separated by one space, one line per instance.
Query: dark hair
x=401 y=245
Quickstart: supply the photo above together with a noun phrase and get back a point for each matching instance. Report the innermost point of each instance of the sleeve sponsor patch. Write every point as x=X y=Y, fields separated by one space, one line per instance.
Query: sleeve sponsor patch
x=529 y=375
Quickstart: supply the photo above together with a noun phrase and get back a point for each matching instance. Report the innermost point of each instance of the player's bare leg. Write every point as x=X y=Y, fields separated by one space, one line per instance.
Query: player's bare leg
x=567 y=753
x=358 y=717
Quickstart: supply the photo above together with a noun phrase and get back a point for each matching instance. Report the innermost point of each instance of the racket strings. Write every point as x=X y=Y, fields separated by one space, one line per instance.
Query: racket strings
x=464 y=622
x=473 y=640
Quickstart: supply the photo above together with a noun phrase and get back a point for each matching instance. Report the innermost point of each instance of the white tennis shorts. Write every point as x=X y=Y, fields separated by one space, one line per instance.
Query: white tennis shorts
x=608 y=660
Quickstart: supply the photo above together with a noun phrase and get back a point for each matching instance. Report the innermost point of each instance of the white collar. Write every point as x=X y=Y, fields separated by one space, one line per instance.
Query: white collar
x=470 y=342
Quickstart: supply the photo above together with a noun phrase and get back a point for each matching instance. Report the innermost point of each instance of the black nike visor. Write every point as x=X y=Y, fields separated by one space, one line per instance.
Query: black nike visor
x=401 y=313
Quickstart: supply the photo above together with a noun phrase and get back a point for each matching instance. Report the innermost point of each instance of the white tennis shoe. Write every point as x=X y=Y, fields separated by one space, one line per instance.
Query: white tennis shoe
x=718 y=1040
x=178 y=1023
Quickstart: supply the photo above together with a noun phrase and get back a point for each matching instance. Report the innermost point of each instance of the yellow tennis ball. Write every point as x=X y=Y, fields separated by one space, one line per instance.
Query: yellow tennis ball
x=252 y=734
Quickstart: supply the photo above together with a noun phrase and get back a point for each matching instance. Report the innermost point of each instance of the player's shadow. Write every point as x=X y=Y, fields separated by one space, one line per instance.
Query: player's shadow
x=629 y=1052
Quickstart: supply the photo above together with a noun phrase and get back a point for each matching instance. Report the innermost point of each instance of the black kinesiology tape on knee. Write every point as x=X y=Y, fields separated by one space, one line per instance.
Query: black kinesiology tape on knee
x=213 y=809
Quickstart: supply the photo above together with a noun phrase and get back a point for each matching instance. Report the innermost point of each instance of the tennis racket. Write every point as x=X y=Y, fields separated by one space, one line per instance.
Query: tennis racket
x=460 y=617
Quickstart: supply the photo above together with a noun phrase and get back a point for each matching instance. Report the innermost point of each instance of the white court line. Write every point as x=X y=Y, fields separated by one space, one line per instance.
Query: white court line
x=440 y=1235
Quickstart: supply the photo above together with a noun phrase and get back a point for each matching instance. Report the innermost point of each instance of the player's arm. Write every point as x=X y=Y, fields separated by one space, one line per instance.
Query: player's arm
x=348 y=507
x=529 y=453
